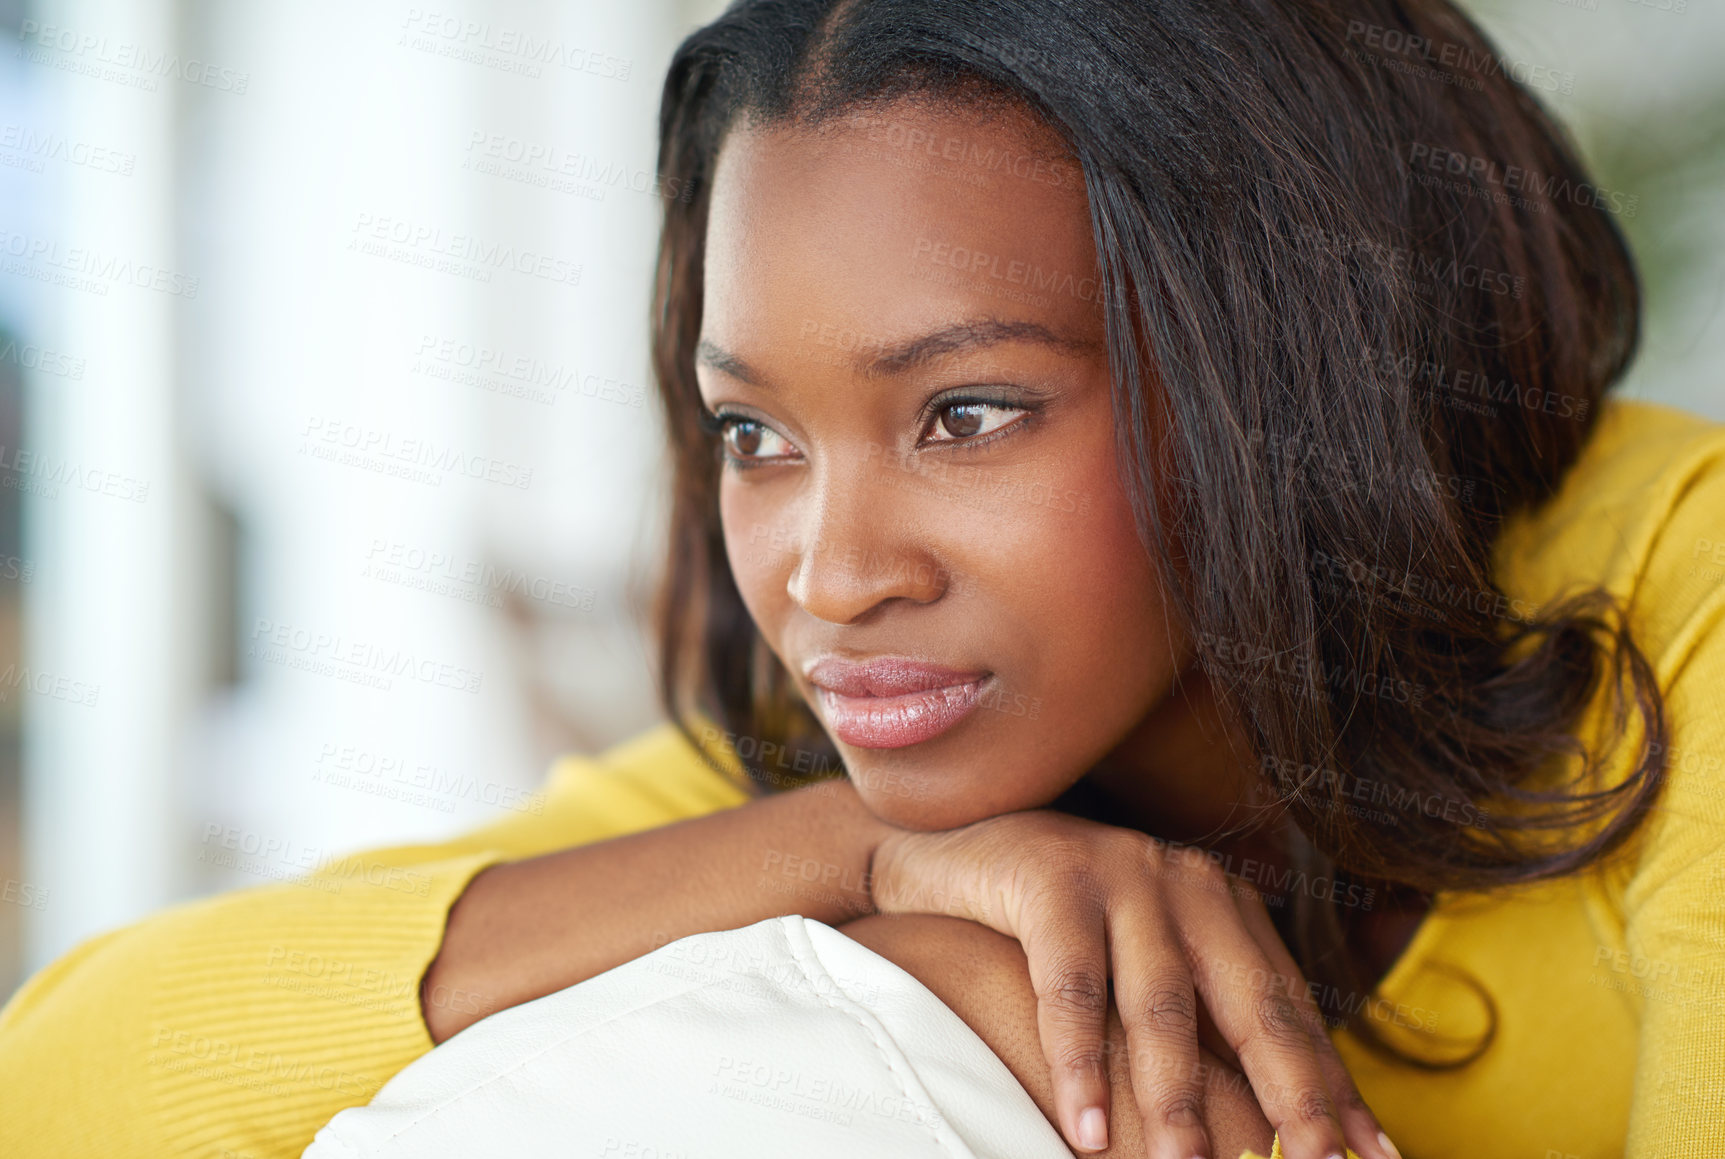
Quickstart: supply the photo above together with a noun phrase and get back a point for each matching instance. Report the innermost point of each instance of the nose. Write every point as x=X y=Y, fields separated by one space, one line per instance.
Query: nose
x=859 y=547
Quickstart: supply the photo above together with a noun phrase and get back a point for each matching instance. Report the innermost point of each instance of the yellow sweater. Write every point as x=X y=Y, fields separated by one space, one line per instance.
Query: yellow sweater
x=234 y=1027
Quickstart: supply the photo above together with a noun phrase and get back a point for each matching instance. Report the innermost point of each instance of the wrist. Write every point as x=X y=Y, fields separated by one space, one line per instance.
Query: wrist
x=824 y=851
x=938 y=873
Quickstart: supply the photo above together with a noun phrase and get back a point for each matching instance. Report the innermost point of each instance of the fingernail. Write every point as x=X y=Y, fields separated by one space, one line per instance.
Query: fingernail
x=1093 y=1129
x=1384 y=1142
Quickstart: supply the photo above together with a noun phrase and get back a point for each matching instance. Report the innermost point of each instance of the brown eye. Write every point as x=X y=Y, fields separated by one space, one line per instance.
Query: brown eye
x=962 y=420
x=749 y=442
x=746 y=438
x=970 y=420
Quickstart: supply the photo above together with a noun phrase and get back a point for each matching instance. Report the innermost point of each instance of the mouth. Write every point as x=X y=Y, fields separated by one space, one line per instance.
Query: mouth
x=892 y=702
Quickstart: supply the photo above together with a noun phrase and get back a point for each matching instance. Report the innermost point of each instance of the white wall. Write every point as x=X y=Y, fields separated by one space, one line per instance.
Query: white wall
x=333 y=123
x=107 y=635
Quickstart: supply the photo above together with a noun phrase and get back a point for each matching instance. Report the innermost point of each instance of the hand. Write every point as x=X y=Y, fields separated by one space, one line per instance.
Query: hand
x=1088 y=902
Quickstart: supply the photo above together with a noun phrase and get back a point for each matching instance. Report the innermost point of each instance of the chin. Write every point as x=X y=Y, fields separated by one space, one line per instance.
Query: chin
x=921 y=815
x=929 y=798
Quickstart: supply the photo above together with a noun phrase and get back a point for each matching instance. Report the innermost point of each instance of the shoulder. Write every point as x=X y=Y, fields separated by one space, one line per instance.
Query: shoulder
x=1643 y=506
x=1642 y=513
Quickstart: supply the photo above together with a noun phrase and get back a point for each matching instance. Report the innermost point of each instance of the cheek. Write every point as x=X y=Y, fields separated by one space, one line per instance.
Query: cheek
x=1108 y=622
x=1089 y=597
x=1070 y=617
x=1066 y=573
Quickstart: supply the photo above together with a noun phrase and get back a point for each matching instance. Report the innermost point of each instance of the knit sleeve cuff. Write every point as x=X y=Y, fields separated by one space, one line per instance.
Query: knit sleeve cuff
x=274 y=1009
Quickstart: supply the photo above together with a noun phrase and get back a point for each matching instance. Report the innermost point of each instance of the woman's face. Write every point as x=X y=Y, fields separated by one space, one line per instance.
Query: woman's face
x=903 y=338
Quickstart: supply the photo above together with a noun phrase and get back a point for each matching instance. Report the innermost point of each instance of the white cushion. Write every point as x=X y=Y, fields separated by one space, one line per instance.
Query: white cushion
x=782 y=1038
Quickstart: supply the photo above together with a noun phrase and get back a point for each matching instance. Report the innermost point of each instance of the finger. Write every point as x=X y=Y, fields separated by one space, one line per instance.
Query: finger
x=1158 y=1008
x=1066 y=949
x=1364 y=1134
x=1249 y=1000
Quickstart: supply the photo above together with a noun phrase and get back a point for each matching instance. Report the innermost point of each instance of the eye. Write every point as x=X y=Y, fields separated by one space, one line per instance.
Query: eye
x=970 y=418
x=747 y=441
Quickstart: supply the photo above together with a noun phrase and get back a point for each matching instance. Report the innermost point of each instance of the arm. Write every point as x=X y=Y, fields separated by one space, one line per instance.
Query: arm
x=242 y=1023
x=527 y=928
x=1673 y=948
x=239 y=1024
x=984 y=978
x=533 y=927
x=1673 y=944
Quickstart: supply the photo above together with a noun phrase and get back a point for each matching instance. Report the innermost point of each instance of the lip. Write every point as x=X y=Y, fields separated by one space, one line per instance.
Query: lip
x=893 y=702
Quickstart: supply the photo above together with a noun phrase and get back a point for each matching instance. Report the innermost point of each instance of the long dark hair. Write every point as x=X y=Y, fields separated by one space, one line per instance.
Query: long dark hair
x=1301 y=210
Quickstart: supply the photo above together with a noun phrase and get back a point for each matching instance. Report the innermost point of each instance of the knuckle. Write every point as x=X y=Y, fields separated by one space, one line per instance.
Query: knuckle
x=1145 y=857
x=1277 y=1015
x=1194 y=872
x=1139 y=847
x=1061 y=853
x=1084 y=1058
x=1167 y=1008
x=1119 y=858
x=1180 y=1107
x=1311 y=1105
x=1205 y=867
x=1077 y=990
x=1155 y=850
x=1066 y=874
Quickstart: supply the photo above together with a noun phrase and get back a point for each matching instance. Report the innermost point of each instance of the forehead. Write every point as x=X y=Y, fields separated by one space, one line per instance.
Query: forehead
x=896 y=218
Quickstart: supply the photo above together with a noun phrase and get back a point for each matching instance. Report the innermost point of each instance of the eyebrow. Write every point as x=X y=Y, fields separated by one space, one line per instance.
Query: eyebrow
x=959 y=337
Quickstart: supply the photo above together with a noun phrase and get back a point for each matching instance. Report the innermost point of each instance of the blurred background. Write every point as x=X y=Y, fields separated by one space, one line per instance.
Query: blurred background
x=330 y=480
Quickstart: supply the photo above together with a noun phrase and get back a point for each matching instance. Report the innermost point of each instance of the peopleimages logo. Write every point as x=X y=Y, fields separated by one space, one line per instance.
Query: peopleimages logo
x=332 y=654
x=539 y=163
x=42 y=474
x=1512 y=179
x=37 y=147
x=416 y=243
x=508 y=49
x=1457 y=57
x=30 y=356
x=512 y=372
x=420 y=460
x=88 y=52
x=1004 y=268
x=984 y=156
x=47 y=684
x=83 y=268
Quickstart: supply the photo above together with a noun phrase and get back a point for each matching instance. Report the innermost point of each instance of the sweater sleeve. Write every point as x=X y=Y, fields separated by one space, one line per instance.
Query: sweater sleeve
x=235 y=1026
x=1674 y=914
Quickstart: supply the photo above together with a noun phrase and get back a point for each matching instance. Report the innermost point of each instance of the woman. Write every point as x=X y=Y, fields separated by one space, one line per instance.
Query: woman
x=1193 y=521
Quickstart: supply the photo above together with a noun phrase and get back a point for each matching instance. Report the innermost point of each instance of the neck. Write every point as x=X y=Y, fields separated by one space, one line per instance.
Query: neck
x=1185 y=773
